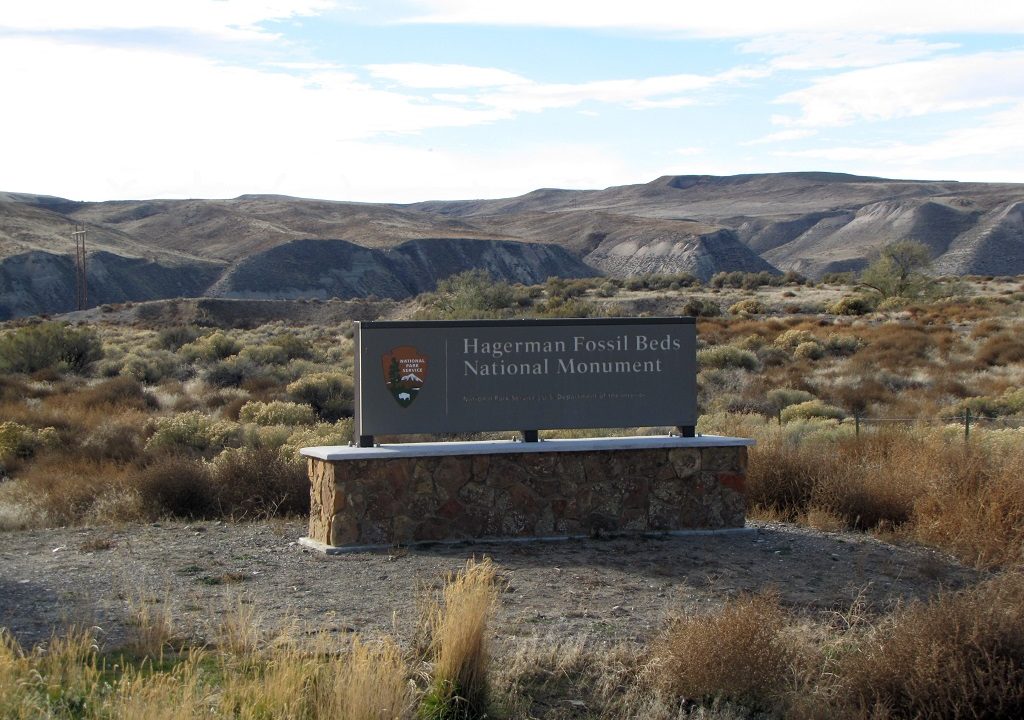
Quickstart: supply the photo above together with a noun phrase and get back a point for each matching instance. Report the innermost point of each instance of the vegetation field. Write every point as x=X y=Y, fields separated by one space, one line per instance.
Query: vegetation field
x=890 y=406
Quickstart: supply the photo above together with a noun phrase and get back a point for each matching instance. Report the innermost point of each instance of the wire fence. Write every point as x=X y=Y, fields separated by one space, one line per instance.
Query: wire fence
x=970 y=421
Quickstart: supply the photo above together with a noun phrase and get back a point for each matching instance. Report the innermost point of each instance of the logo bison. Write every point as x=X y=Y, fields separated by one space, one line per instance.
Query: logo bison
x=405 y=371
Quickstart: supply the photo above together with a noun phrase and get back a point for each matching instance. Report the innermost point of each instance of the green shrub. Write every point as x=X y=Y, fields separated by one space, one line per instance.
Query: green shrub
x=264 y=354
x=294 y=347
x=727 y=356
x=339 y=433
x=277 y=412
x=750 y=306
x=193 y=431
x=173 y=338
x=231 y=372
x=809 y=350
x=791 y=338
x=471 y=294
x=812 y=409
x=329 y=394
x=152 y=366
x=49 y=346
x=852 y=305
x=842 y=345
x=20 y=441
x=571 y=307
x=215 y=346
x=781 y=398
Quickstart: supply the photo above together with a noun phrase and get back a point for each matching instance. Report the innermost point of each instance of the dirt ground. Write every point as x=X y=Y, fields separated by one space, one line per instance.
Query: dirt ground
x=608 y=590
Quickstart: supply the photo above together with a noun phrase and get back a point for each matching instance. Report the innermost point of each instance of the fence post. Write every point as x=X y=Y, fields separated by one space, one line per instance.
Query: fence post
x=856 y=423
x=778 y=416
x=967 y=424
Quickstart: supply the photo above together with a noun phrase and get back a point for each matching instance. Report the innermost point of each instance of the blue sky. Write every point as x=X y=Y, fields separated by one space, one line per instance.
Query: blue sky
x=399 y=101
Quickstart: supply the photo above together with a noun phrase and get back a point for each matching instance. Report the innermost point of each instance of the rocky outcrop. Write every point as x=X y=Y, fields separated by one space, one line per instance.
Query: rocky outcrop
x=38 y=282
x=337 y=268
x=404 y=500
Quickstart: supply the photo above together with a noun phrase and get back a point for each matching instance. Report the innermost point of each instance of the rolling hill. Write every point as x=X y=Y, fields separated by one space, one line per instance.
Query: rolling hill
x=263 y=246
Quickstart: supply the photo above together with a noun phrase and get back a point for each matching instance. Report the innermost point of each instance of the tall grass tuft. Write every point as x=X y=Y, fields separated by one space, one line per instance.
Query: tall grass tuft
x=459 y=645
x=371 y=684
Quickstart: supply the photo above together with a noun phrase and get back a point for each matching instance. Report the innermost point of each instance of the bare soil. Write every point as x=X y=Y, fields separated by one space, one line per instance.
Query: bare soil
x=610 y=590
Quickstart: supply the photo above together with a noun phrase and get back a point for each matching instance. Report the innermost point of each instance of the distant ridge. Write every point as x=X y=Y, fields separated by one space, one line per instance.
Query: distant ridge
x=275 y=246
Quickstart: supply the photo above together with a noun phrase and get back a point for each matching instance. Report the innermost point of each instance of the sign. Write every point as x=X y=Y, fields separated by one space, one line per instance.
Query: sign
x=477 y=375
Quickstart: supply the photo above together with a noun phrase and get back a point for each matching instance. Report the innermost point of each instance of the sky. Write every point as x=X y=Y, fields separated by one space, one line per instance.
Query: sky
x=408 y=100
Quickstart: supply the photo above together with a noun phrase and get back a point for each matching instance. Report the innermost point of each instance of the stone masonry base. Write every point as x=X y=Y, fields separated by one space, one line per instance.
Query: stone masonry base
x=404 y=500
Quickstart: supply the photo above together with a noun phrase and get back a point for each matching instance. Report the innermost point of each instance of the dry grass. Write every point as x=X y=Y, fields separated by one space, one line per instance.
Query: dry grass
x=927 y=483
x=960 y=656
x=459 y=644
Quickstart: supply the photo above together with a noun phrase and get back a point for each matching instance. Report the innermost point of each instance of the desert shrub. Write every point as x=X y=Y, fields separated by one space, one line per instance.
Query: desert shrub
x=120 y=392
x=113 y=440
x=961 y=655
x=152 y=366
x=809 y=350
x=842 y=345
x=727 y=356
x=772 y=356
x=294 y=347
x=838 y=278
x=784 y=397
x=571 y=307
x=278 y=412
x=471 y=294
x=1001 y=349
x=192 y=431
x=737 y=653
x=173 y=338
x=178 y=486
x=608 y=290
x=231 y=372
x=20 y=441
x=329 y=394
x=750 y=306
x=215 y=346
x=811 y=409
x=790 y=339
x=49 y=346
x=259 y=483
x=1010 y=402
x=852 y=305
x=698 y=307
x=264 y=354
x=339 y=433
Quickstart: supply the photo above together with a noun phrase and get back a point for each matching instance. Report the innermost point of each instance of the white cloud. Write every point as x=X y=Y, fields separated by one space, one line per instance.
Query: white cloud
x=425 y=75
x=239 y=19
x=909 y=89
x=734 y=18
x=782 y=136
x=96 y=124
x=994 y=136
x=820 y=51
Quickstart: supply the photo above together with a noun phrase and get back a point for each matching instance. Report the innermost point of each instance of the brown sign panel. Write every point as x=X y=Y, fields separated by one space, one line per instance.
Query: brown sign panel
x=475 y=375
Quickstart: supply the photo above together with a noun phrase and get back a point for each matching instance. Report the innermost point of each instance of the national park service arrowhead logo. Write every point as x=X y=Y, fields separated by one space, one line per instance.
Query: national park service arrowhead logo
x=405 y=371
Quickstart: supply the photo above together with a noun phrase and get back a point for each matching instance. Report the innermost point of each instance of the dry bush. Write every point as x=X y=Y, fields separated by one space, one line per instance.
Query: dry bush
x=259 y=483
x=962 y=655
x=459 y=644
x=974 y=505
x=67 y=489
x=737 y=653
x=1001 y=349
x=176 y=485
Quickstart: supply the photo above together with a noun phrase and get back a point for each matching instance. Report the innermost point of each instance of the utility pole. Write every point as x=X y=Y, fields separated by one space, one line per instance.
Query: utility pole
x=81 y=281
